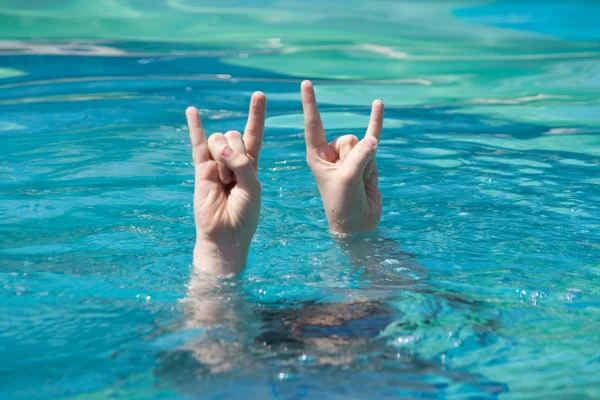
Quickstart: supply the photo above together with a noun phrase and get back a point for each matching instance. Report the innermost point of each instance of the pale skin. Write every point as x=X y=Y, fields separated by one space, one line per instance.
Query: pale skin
x=344 y=169
x=227 y=193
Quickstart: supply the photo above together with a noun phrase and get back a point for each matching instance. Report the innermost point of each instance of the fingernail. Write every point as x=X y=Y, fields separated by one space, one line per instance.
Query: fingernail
x=371 y=141
x=226 y=151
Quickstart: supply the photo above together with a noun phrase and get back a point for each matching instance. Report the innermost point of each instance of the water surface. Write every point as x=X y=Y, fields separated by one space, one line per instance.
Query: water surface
x=483 y=280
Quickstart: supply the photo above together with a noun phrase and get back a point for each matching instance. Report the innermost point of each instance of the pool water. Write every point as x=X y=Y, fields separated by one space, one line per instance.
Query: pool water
x=483 y=280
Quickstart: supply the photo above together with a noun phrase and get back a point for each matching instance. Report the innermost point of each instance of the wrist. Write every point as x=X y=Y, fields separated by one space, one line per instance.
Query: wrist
x=348 y=212
x=350 y=224
x=220 y=258
x=350 y=227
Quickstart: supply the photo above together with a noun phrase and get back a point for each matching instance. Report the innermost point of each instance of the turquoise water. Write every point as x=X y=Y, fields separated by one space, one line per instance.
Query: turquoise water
x=482 y=282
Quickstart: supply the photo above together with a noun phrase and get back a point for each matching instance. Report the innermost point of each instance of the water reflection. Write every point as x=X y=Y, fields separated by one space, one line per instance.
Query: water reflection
x=233 y=336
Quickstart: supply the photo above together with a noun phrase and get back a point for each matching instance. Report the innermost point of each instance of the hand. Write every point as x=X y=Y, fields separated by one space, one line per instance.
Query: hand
x=227 y=193
x=344 y=169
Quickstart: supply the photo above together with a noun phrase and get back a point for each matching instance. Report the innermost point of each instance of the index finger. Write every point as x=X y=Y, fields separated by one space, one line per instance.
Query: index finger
x=255 y=128
x=313 y=127
x=376 y=121
x=199 y=147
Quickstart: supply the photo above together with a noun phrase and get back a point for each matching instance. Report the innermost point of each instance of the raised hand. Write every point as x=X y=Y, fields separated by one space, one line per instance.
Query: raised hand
x=344 y=169
x=227 y=192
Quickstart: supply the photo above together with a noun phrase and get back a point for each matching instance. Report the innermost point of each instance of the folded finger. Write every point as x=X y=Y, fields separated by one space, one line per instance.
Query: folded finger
x=242 y=167
x=216 y=141
x=236 y=142
x=343 y=145
x=376 y=121
x=360 y=156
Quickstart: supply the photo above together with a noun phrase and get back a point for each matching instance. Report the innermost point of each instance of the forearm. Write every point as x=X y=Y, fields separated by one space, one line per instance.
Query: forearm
x=379 y=255
x=362 y=248
x=214 y=305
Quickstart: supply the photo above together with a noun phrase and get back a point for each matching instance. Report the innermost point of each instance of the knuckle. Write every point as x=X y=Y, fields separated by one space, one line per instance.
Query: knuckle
x=343 y=141
x=364 y=149
x=217 y=136
x=312 y=125
x=233 y=135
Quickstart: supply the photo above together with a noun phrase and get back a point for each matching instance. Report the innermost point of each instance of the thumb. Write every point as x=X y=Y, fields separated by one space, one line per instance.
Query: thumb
x=241 y=166
x=361 y=154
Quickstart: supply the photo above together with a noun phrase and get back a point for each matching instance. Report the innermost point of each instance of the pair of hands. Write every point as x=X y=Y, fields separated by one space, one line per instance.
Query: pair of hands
x=227 y=193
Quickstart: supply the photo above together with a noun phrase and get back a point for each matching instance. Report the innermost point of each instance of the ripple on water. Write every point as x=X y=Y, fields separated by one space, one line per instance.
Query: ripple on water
x=513 y=161
x=579 y=163
x=434 y=151
x=442 y=163
x=10 y=73
x=531 y=171
x=11 y=126
x=496 y=202
x=584 y=144
x=530 y=184
x=331 y=120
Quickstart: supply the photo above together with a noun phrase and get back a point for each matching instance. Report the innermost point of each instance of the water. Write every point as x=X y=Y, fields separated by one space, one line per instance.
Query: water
x=483 y=281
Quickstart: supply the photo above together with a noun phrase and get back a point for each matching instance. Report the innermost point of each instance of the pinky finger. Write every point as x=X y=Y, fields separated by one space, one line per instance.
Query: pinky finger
x=376 y=121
